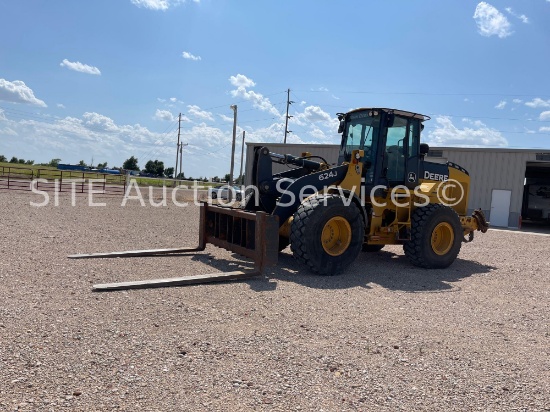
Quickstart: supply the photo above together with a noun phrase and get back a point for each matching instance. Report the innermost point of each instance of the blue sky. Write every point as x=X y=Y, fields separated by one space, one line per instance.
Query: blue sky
x=107 y=79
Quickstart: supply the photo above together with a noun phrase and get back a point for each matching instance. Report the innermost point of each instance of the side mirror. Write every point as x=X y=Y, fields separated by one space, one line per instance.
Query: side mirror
x=341 y=126
x=424 y=149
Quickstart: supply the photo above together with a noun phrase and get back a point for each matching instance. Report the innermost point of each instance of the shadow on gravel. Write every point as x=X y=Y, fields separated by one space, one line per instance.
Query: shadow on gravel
x=384 y=268
x=387 y=269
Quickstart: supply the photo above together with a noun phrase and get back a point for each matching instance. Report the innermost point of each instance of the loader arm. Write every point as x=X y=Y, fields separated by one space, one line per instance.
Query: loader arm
x=294 y=193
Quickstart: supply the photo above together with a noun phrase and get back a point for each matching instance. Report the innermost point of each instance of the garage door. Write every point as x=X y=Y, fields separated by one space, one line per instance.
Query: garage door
x=500 y=207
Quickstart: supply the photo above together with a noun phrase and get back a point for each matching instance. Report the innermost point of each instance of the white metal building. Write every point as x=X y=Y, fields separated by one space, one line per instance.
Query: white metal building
x=498 y=176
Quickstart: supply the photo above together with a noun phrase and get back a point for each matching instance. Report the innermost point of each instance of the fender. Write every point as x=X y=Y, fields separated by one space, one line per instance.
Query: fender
x=289 y=201
x=355 y=199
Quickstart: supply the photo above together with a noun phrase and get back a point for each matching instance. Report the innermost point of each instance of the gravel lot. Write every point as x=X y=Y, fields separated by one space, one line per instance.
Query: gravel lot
x=383 y=336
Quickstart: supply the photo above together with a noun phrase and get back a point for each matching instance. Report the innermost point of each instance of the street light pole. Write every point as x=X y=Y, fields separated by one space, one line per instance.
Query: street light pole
x=242 y=156
x=234 y=108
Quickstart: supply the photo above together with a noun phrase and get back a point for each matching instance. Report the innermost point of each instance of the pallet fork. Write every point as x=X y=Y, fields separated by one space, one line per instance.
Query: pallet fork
x=253 y=235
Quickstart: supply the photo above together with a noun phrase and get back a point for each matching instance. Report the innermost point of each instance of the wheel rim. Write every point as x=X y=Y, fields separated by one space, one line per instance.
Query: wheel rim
x=336 y=236
x=442 y=238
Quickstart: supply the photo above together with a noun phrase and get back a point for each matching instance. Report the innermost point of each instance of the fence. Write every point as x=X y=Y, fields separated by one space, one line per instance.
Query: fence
x=25 y=178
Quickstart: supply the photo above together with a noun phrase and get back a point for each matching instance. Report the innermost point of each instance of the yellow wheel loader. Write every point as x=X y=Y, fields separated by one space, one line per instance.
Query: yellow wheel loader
x=381 y=192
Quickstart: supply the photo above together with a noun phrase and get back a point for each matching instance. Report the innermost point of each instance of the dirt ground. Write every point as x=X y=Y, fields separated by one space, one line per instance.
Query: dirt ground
x=383 y=336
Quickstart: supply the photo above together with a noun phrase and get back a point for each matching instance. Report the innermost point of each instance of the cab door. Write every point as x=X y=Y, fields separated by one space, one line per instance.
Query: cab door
x=401 y=152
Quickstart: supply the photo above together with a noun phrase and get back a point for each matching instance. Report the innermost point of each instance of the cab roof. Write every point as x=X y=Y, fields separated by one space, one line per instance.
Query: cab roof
x=403 y=113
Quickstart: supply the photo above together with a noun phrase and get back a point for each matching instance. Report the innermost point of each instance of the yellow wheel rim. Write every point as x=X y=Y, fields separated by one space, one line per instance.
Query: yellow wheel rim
x=443 y=238
x=336 y=236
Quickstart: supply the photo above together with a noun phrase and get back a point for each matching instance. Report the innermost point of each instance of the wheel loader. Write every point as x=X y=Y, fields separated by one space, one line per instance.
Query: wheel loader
x=382 y=191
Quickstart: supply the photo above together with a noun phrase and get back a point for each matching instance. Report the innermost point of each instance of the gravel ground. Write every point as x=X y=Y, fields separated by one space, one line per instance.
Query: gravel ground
x=383 y=336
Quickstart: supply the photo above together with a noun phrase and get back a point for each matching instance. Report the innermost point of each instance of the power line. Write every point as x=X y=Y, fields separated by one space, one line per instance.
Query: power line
x=424 y=93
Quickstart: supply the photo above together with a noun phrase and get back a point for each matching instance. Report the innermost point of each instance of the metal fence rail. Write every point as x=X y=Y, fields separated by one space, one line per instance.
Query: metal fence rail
x=26 y=178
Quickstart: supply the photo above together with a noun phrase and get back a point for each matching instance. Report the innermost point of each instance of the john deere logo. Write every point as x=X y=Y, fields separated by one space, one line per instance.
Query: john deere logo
x=412 y=177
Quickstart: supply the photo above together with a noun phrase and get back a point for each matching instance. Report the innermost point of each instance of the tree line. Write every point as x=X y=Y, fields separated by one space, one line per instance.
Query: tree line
x=153 y=168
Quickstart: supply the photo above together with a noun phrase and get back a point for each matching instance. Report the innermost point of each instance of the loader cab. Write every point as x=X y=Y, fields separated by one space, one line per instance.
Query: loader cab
x=390 y=140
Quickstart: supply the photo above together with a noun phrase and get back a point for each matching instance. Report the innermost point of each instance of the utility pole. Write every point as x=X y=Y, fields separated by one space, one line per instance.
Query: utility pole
x=178 y=147
x=242 y=156
x=234 y=107
x=181 y=155
x=288 y=103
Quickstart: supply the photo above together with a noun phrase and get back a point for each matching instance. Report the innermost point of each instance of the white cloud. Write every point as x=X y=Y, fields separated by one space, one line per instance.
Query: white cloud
x=501 y=105
x=545 y=128
x=99 y=121
x=8 y=132
x=226 y=118
x=189 y=56
x=322 y=89
x=259 y=101
x=60 y=105
x=315 y=114
x=196 y=111
x=164 y=115
x=80 y=67
x=335 y=98
x=522 y=17
x=159 y=4
x=538 y=102
x=447 y=134
x=240 y=80
x=18 y=92
x=152 y=4
x=2 y=116
x=72 y=139
x=491 y=22
x=545 y=115
x=518 y=101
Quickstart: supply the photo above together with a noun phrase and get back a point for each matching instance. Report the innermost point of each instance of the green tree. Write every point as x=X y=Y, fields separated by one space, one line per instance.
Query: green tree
x=22 y=161
x=29 y=162
x=131 y=164
x=226 y=177
x=54 y=162
x=3 y=158
x=180 y=176
x=155 y=167
x=14 y=160
x=82 y=163
x=102 y=165
x=169 y=172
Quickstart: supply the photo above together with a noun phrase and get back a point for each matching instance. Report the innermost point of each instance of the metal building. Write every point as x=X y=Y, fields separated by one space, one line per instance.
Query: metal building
x=506 y=184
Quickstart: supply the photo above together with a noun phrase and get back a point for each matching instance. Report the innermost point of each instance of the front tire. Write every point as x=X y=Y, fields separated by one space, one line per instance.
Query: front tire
x=326 y=237
x=436 y=237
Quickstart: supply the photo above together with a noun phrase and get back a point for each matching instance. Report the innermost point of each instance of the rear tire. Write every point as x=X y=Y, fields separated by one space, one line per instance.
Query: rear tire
x=436 y=237
x=326 y=238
